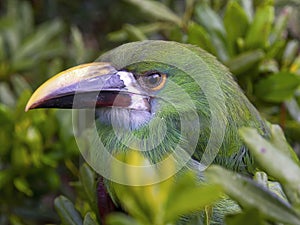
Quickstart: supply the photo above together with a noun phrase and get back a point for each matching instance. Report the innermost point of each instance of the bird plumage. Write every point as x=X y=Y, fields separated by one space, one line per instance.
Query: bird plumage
x=184 y=65
x=168 y=98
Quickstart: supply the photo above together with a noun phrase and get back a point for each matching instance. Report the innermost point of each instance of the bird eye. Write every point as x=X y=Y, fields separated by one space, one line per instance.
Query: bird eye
x=154 y=81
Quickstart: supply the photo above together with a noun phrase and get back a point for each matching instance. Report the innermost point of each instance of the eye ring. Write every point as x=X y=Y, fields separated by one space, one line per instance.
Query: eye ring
x=154 y=81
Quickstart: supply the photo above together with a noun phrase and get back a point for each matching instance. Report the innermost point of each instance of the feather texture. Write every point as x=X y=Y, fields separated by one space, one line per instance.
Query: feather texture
x=199 y=111
x=197 y=82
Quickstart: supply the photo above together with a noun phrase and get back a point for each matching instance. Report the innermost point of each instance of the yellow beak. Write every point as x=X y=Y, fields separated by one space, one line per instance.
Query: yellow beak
x=91 y=85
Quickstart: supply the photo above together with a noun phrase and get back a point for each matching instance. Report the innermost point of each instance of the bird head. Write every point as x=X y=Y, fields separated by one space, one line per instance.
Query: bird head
x=168 y=95
x=133 y=92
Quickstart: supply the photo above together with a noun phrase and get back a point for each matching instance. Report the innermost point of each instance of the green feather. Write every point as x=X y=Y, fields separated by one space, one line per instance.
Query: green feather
x=212 y=92
x=199 y=91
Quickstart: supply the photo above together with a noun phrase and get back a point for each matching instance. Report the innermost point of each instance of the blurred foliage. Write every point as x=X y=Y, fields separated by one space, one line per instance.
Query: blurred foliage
x=34 y=166
x=271 y=196
x=257 y=39
x=30 y=161
x=161 y=203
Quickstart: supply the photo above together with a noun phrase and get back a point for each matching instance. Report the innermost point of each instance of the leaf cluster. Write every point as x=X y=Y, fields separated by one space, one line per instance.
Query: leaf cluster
x=34 y=165
x=275 y=202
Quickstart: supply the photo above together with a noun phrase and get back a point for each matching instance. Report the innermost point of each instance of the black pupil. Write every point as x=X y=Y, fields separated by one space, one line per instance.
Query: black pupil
x=154 y=78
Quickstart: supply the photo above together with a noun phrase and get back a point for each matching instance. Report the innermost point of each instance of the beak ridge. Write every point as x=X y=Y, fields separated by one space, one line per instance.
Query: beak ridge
x=91 y=85
x=65 y=83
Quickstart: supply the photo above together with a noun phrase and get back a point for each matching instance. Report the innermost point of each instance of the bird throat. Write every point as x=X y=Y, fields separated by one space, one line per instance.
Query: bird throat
x=121 y=129
x=123 y=118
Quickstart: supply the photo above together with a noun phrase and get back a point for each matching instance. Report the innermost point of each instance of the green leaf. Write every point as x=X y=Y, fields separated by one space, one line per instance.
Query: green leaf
x=5 y=177
x=188 y=12
x=212 y=22
x=23 y=186
x=90 y=219
x=276 y=49
x=78 y=51
x=65 y=121
x=21 y=103
x=248 y=8
x=191 y=200
x=67 y=212
x=33 y=139
x=236 y=23
x=295 y=67
x=250 y=217
x=55 y=66
x=48 y=51
x=38 y=40
x=277 y=163
x=3 y=54
x=134 y=203
x=6 y=95
x=120 y=219
x=259 y=31
x=293 y=108
x=157 y=10
x=278 y=139
x=20 y=158
x=26 y=15
x=245 y=61
x=277 y=87
x=290 y=53
x=52 y=178
x=12 y=37
x=280 y=25
x=274 y=186
x=19 y=84
x=221 y=48
x=183 y=183
x=251 y=195
x=149 y=28
x=209 y=19
x=197 y=35
x=87 y=178
x=116 y=36
x=261 y=178
x=175 y=34
x=268 y=66
x=6 y=115
x=134 y=33
x=5 y=134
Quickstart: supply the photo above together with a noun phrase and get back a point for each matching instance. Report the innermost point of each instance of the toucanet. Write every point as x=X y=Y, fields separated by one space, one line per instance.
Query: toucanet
x=165 y=98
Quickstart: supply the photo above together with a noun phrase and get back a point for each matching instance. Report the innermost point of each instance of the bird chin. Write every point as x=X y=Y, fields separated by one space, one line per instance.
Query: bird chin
x=123 y=118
